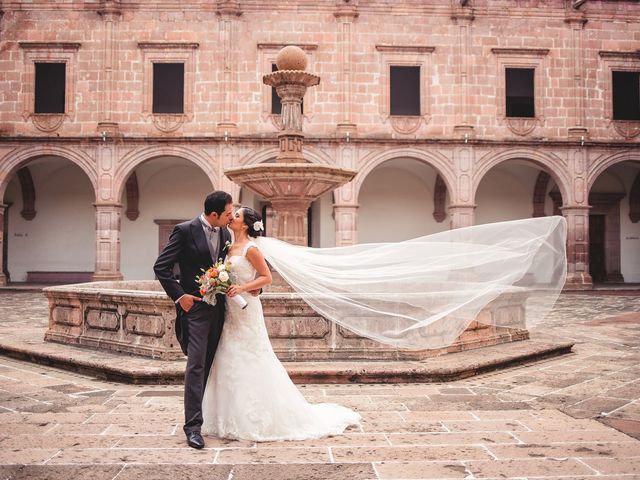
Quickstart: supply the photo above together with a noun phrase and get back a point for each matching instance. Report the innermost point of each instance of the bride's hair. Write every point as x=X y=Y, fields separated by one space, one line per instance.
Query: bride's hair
x=250 y=217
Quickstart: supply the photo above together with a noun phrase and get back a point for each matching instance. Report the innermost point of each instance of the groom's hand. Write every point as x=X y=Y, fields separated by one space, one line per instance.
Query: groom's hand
x=187 y=301
x=256 y=292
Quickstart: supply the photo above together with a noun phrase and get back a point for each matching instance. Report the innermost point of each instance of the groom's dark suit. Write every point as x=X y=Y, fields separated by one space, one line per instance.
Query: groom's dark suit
x=199 y=329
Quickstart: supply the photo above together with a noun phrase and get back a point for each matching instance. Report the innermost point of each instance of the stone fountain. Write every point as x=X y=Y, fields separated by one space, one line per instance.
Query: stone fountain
x=290 y=184
x=137 y=317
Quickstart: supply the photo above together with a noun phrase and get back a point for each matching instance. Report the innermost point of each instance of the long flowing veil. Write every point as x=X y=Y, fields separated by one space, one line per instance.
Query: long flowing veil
x=423 y=293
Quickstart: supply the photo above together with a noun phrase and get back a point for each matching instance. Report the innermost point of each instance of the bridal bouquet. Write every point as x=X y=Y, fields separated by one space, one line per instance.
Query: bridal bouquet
x=217 y=279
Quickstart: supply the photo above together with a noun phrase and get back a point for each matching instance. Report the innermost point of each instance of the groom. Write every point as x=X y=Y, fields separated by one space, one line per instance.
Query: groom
x=193 y=246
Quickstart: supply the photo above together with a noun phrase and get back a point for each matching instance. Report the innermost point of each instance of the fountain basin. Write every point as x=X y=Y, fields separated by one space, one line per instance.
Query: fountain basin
x=137 y=317
x=290 y=181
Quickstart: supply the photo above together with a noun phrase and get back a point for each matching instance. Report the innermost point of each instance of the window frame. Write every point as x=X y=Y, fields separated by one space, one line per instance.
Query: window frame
x=620 y=61
x=405 y=56
x=168 y=52
x=49 y=52
x=522 y=58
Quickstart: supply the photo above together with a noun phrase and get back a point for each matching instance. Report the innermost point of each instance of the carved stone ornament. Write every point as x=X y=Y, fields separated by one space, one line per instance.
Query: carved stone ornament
x=521 y=125
x=405 y=124
x=47 y=122
x=276 y=119
x=168 y=122
x=627 y=128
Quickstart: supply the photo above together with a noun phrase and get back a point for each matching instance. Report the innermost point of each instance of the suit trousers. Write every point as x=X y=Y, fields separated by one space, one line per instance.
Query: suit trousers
x=204 y=324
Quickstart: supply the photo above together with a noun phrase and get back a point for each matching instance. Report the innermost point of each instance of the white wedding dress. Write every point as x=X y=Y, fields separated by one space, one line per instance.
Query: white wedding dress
x=249 y=394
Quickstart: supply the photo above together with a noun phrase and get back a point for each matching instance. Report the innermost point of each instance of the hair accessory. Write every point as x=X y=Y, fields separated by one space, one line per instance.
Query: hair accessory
x=258 y=226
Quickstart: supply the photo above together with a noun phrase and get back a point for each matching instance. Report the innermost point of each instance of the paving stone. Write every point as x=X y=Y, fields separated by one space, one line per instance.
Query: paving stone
x=551 y=437
x=630 y=466
x=175 y=472
x=60 y=472
x=59 y=441
x=273 y=455
x=407 y=454
x=122 y=455
x=484 y=426
x=177 y=440
x=420 y=470
x=334 y=471
x=562 y=450
x=542 y=467
x=19 y=456
x=466 y=438
x=630 y=427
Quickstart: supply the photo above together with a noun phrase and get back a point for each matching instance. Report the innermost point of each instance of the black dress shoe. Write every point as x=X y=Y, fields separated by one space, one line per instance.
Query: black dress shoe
x=195 y=440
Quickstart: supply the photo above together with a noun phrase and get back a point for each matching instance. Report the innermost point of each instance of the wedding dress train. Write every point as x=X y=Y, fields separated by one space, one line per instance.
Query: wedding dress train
x=249 y=394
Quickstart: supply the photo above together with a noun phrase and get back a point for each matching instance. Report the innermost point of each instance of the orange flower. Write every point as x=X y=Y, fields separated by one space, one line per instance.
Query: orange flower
x=203 y=291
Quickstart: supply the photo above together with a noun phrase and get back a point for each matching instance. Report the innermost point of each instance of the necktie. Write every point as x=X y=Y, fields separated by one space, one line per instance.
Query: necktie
x=212 y=241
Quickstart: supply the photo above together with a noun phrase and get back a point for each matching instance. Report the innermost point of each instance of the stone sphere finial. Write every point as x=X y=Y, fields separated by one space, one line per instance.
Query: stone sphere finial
x=291 y=58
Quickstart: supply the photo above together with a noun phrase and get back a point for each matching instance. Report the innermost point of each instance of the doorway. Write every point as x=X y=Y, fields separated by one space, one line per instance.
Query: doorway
x=596 y=248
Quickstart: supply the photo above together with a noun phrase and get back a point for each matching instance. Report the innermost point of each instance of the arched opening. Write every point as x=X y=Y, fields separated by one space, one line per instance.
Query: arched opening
x=158 y=194
x=614 y=226
x=49 y=223
x=400 y=199
x=516 y=189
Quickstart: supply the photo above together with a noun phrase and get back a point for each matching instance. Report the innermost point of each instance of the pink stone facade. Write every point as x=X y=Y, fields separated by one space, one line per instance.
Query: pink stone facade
x=462 y=47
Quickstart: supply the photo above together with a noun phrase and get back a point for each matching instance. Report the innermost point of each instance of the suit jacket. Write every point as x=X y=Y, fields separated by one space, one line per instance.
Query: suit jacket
x=188 y=248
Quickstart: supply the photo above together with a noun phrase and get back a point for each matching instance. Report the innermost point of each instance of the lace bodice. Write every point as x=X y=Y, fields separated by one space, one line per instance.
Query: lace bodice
x=242 y=270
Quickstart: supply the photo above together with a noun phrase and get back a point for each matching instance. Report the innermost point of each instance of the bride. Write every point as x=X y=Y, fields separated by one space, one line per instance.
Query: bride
x=417 y=294
x=249 y=394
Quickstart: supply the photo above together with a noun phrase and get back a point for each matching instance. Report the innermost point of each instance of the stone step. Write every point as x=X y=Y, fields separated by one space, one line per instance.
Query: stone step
x=141 y=370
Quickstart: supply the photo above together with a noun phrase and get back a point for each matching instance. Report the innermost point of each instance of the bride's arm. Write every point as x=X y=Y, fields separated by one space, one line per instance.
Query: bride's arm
x=256 y=259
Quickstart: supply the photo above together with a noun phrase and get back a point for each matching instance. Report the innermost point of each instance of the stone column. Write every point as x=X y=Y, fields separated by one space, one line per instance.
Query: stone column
x=346 y=217
x=462 y=215
x=346 y=12
x=108 y=241
x=463 y=17
x=228 y=10
x=577 y=21
x=3 y=212
x=110 y=11
x=578 y=277
x=462 y=206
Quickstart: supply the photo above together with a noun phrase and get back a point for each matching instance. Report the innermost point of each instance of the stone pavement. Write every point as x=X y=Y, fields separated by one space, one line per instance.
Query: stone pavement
x=573 y=417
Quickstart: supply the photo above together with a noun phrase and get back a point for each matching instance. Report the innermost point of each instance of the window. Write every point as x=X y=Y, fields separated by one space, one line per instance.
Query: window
x=168 y=88
x=519 y=87
x=405 y=91
x=626 y=95
x=50 y=85
x=276 y=105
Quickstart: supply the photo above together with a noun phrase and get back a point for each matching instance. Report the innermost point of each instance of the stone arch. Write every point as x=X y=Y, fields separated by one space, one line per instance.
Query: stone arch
x=131 y=161
x=262 y=155
x=602 y=165
x=547 y=162
x=440 y=163
x=16 y=159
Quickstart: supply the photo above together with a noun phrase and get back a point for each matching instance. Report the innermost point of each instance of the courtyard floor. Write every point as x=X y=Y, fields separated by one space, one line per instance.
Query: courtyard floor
x=573 y=417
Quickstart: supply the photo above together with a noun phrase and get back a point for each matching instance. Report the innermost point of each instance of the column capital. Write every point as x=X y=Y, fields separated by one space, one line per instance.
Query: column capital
x=110 y=9
x=228 y=8
x=346 y=10
x=107 y=205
